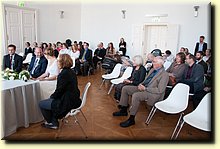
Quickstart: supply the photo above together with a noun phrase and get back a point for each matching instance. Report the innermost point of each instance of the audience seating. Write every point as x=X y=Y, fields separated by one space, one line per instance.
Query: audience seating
x=28 y=58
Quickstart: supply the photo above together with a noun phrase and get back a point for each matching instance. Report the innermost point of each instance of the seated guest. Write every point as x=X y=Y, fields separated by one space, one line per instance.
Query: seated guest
x=56 y=52
x=12 y=60
x=99 y=54
x=110 y=51
x=137 y=76
x=35 y=45
x=182 y=49
x=85 y=60
x=59 y=46
x=65 y=49
x=207 y=55
x=44 y=46
x=149 y=64
x=65 y=97
x=199 y=58
x=201 y=45
x=52 y=70
x=193 y=75
x=79 y=47
x=186 y=51
x=168 y=56
x=27 y=50
x=69 y=44
x=151 y=90
x=177 y=69
x=75 y=52
x=38 y=64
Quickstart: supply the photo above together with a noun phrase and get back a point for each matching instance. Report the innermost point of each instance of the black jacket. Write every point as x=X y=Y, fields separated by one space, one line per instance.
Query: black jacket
x=66 y=95
x=204 y=65
x=138 y=76
x=41 y=67
x=17 y=62
x=204 y=47
x=100 y=52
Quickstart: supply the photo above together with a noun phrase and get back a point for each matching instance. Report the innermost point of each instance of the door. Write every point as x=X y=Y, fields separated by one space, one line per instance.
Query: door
x=13 y=28
x=137 y=39
x=28 y=22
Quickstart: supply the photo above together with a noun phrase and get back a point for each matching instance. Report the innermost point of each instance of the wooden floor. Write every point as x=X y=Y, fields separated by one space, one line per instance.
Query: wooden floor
x=101 y=125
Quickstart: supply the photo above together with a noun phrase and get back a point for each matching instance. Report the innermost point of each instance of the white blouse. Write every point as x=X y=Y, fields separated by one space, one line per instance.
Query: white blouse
x=75 y=55
x=52 y=69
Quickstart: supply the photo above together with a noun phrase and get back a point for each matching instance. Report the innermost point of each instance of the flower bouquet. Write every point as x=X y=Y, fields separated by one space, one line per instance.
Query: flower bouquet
x=24 y=75
x=9 y=74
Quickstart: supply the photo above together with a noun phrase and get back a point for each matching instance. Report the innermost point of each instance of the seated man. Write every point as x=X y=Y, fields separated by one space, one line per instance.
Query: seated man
x=151 y=90
x=38 y=64
x=199 y=58
x=99 y=54
x=85 y=60
x=12 y=60
x=193 y=74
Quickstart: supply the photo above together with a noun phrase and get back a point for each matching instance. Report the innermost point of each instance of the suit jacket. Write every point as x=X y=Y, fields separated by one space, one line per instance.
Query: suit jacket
x=204 y=47
x=197 y=77
x=157 y=86
x=66 y=95
x=88 y=55
x=41 y=67
x=100 y=52
x=204 y=65
x=28 y=50
x=17 y=62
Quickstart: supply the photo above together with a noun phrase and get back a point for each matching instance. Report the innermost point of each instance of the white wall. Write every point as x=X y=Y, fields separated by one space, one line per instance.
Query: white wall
x=103 y=22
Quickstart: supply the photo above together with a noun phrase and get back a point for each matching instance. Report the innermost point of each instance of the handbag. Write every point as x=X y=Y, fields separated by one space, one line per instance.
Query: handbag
x=172 y=80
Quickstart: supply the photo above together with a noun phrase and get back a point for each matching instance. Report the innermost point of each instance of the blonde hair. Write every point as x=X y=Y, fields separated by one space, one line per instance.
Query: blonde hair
x=65 y=61
x=138 y=60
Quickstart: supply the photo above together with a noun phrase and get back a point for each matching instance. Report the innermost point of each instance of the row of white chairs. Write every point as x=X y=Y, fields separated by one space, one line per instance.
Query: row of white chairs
x=177 y=102
x=114 y=76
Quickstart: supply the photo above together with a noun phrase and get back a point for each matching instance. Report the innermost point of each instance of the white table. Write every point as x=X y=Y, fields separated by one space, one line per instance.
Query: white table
x=47 y=88
x=19 y=105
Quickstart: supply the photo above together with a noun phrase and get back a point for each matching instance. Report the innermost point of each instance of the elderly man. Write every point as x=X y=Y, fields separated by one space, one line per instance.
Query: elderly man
x=151 y=90
x=12 y=60
x=38 y=64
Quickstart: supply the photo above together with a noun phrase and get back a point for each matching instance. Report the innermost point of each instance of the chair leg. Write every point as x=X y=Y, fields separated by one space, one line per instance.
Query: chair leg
x=102 y=83
x=151 y=114
x=179 y=123
x=110 y=89
x=83 y=114
x=76 y=121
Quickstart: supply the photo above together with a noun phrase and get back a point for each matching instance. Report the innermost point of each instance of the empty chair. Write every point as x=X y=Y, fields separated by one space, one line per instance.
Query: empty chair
x=167 y=65
x=28 y=58
x=73 y=58
x=125 y=75
x=114 y=74
x=175 y=103
x=74 y=112
x=21 y=54
x=199 y=118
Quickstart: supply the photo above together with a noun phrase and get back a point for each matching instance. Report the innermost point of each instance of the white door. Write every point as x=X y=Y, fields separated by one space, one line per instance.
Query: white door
x=137 y=40
x=28 y=22
x=13 y=27
x=173 y=38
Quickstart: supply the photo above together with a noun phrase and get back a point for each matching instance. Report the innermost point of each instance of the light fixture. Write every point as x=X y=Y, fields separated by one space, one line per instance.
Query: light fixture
x=123 y=13
x=61 y=14
x=196 y=11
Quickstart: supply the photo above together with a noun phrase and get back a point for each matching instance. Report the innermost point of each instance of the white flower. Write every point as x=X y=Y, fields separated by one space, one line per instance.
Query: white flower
x=24 y=78
x=5 y=74
x=11 y=78
x=7 y=69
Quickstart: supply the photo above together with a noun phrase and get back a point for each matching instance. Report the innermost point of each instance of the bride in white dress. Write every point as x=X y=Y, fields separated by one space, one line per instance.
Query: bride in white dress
x=52 y=70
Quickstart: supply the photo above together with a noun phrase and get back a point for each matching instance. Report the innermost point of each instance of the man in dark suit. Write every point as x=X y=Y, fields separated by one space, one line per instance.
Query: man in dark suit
x=85 y=60
x=99 y=54
x=199 y=58
x=201 y=45
x=38 y=64
x=193 y=75
x=12 y=60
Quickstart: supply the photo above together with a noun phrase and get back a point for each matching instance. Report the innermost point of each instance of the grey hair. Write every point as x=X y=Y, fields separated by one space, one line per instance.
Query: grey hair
x=138 y=59
x=160 y=60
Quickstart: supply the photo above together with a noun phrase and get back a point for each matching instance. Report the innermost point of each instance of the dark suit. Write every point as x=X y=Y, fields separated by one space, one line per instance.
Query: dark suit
x=204 y=47
x=85 y=65
x=17 y=62
x=101 y=53
x=204 y=65
x=196 y=78
x=65 y=97
x=26 y=51
x=41 y=67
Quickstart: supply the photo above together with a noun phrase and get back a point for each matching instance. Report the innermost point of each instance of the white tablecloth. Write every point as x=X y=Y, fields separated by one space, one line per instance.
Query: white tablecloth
x=47 y=88
x=19 y=105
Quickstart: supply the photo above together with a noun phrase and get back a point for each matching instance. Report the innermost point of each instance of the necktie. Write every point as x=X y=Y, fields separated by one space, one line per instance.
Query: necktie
x=84 y=54
x=35 y=65
x=149 y=78
x=10 y=61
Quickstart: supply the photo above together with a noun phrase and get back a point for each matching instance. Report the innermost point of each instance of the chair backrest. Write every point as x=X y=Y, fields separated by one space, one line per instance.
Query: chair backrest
x=28 y=58
x=84 y=95
x=179 y=96
x=21 y=54
x=203 y=110
x=167 y=65
x=127 y=73
x=73 y=58
x=116 y=70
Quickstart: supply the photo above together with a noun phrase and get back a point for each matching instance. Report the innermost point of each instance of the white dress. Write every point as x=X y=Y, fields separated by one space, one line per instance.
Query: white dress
x=53 y=69
x=65 y=51
x=75 y=55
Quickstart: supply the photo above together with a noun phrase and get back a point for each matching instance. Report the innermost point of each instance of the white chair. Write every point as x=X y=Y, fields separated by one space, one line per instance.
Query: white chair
x=21 y=54
x=74 y=112
x=175 y=103
x=114 y=74
x=167 y=64
x=125 y=75
x=199 y=118
x=73 y=58
x=28 y=58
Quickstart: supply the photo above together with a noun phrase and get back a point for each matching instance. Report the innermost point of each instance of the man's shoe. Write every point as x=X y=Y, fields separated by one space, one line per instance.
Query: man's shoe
x=51 y=126
x=120 y=113
x=127 y=123
x=120 y=106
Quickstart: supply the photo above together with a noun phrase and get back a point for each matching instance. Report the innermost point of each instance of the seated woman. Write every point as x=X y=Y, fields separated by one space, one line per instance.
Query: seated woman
x=110 y=51
x=52 y=70
x=75 y=52
x=137 y=76
x=65 y=97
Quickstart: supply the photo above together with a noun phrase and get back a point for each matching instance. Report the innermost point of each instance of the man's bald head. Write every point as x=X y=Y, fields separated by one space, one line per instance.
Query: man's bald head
x=38 y=52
